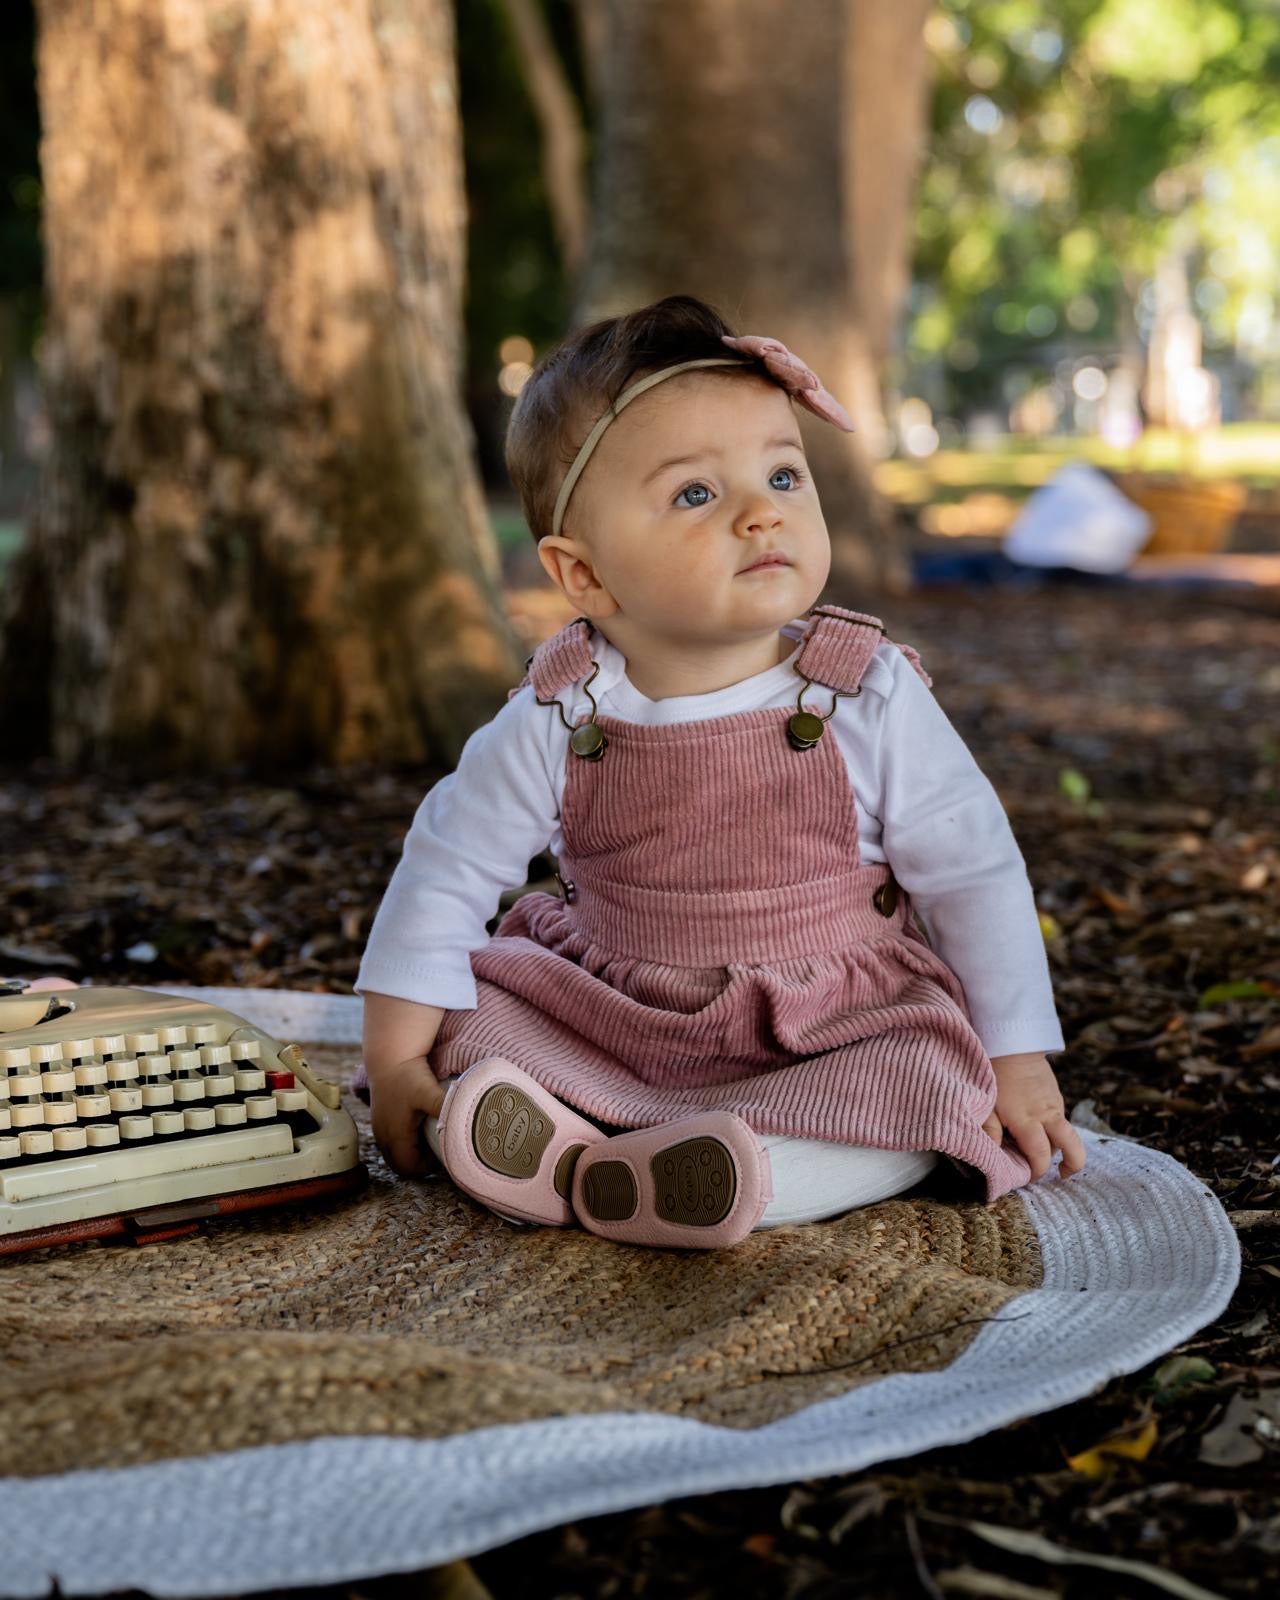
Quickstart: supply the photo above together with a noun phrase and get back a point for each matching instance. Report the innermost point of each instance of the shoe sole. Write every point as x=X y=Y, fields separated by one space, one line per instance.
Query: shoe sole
x=694 y=1184
x=509 y=1134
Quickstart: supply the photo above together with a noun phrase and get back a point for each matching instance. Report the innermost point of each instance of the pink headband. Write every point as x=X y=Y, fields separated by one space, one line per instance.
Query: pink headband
x=799 y=380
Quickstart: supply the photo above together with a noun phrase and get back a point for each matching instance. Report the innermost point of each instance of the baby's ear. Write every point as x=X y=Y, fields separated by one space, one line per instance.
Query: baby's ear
x=568 y=564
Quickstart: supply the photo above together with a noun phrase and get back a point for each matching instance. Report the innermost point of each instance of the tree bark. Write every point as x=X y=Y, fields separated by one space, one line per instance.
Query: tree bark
x=261 y=537
x=722 y=172
x=887 y=130
x=560 y=121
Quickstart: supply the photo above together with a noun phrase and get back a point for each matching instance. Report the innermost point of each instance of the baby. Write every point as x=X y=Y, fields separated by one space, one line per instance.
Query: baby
x=796 y=961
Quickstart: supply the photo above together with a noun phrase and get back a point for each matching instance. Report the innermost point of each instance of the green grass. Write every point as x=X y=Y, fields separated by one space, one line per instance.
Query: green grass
x=1247 y=451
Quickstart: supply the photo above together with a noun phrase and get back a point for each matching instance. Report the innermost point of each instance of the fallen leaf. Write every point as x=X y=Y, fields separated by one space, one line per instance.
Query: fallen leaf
x=1234 y=1441
x=1265 y=1044
x=1136 y=1447
x=1173 y=1376
x=969 y=1580
x=1031 y=1544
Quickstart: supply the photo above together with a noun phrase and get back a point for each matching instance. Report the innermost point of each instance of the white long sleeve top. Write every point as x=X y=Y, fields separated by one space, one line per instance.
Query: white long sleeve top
x=922 y=802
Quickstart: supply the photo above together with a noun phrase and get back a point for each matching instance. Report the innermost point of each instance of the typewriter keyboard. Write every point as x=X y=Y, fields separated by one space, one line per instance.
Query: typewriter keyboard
x=161 y=1101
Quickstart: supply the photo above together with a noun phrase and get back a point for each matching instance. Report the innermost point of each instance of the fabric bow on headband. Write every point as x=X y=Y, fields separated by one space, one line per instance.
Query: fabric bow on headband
x=796 y=378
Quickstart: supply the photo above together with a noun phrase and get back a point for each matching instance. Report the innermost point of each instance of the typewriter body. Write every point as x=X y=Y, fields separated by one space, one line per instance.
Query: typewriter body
x=126 y=1112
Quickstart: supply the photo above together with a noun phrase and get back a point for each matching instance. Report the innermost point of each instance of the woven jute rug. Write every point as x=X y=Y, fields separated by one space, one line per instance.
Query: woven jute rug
x=399 y=1377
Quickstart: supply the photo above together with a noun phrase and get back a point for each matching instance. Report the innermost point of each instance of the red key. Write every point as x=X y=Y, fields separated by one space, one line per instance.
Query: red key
x=280 y=1080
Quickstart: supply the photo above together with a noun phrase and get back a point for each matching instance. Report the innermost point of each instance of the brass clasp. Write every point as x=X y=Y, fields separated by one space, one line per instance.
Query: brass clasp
x=586 y=740
x=805 y=728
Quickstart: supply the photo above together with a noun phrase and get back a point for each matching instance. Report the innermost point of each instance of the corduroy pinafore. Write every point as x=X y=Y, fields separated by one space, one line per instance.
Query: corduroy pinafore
x=722 y=944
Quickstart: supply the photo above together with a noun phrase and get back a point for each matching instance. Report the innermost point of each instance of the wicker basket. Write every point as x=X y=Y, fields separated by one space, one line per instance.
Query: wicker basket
x=1189 y=516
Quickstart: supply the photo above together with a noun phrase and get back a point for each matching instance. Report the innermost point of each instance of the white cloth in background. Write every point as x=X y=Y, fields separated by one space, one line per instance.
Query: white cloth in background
x=1078 y=519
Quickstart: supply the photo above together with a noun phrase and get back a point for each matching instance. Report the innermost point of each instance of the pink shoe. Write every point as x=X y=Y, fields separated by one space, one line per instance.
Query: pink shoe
x=701 y=1182
x=509 y=1143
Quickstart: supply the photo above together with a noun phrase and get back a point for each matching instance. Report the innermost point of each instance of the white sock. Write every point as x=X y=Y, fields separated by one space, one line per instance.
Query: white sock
x=815 y=1178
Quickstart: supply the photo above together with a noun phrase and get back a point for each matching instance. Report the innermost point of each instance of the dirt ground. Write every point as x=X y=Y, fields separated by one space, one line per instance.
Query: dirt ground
x=1133 y=735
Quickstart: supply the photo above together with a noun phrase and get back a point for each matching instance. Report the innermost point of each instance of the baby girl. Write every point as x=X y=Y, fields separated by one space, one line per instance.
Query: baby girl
x=796 y=961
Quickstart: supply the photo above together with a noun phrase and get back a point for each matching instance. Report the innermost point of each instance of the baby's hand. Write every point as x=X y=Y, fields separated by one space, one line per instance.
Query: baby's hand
x=400 y=1097
x=1029 y=1103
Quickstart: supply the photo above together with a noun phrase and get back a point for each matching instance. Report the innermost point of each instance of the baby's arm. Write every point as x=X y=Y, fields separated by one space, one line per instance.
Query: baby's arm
x=951 y=847
x=473 y=835
x=398 y=1035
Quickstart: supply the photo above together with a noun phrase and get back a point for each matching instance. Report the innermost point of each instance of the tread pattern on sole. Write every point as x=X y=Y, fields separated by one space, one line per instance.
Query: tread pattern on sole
x=509 y=1132
x=694 y=1182
x=609 y=1191
x=563 y=1179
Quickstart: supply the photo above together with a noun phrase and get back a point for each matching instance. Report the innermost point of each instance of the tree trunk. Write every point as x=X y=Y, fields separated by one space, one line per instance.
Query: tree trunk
x=887 y=129
x=261 y=537
x=722 y=172
x=560 y=122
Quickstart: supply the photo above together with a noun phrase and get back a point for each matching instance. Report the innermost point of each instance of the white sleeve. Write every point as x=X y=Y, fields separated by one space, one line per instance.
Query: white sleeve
x=950 y=845
x=472 y=837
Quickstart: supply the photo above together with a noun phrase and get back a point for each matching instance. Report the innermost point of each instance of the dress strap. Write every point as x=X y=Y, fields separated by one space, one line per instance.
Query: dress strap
x=838 y=646
x=562 y=659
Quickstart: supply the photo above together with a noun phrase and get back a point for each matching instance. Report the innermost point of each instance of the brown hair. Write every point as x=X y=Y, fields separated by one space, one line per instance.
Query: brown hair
x=576 y=382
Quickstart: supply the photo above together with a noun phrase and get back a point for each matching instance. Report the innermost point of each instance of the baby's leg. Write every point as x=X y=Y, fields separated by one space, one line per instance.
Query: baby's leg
x=814 y=1178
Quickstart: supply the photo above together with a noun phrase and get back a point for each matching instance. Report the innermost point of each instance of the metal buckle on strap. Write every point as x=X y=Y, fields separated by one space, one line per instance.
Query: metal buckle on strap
x=587 y=740
x=805 y=728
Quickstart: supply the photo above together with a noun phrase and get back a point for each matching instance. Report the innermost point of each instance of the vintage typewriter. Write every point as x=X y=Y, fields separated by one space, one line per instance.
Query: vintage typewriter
x=125 y=1112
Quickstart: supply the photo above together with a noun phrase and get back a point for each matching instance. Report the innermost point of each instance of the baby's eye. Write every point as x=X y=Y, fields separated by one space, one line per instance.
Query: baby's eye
x=792 y=472
x=688 y=488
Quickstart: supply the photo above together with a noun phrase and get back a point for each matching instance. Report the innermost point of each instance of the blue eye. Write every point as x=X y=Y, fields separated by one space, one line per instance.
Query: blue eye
x=701 y=488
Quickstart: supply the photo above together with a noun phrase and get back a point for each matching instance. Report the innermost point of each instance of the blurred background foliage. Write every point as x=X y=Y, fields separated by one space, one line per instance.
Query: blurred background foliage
x=1071 y=144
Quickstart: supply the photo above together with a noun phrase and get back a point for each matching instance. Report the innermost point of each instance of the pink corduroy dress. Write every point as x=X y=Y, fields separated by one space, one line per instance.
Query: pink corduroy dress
x=721 y=943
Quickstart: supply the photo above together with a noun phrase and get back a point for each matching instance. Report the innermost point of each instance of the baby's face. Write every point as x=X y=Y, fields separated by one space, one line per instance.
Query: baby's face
x=696 y=480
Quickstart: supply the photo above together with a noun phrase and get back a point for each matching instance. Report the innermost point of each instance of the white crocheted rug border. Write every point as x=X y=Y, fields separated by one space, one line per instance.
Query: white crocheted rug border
x=1138 y=1256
